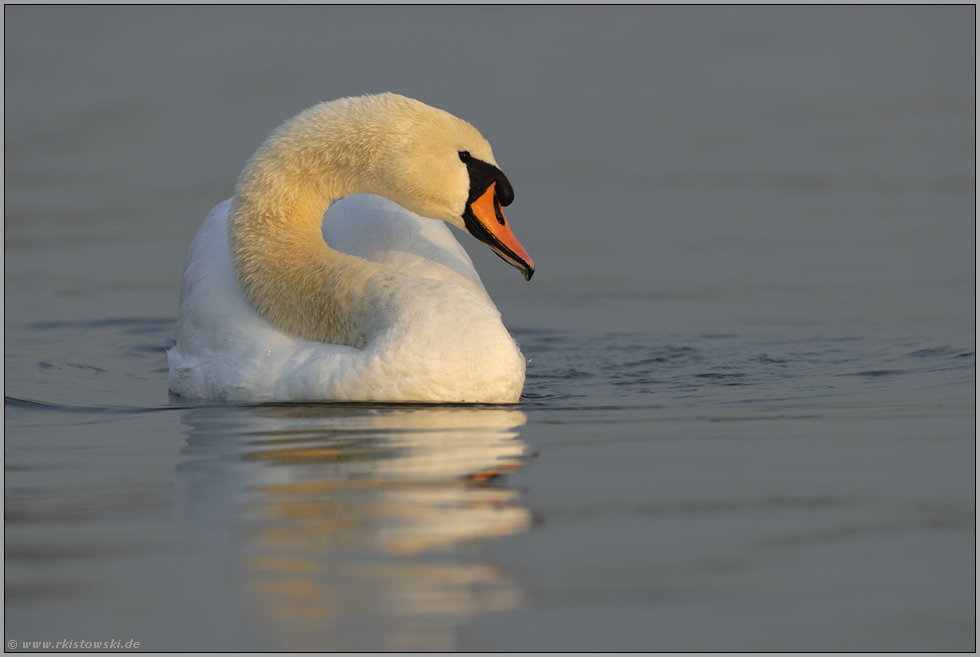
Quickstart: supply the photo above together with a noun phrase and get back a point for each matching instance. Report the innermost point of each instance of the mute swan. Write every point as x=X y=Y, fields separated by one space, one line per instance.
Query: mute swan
x=392 y=309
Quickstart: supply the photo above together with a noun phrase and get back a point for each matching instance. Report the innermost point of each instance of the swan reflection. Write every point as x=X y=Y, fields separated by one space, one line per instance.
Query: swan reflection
x=352 y=527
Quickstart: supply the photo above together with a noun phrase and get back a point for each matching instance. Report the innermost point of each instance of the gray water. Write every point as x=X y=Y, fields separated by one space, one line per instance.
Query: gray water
x=749 y=417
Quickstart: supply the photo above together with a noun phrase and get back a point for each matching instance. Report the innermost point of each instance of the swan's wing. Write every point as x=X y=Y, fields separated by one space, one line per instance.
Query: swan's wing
x=374 y=228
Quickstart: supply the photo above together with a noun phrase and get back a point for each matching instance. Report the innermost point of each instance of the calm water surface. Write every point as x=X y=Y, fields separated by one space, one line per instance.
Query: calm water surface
x=749 y=416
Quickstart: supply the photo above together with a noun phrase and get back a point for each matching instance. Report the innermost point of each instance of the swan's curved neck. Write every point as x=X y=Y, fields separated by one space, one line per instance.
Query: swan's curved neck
x=287 y=271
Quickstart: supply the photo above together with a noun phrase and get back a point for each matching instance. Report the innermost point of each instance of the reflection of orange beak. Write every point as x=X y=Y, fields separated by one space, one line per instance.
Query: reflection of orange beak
x=490 y=227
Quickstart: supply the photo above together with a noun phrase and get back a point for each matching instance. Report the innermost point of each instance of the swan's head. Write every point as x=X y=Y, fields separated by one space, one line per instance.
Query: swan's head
x=440 y=167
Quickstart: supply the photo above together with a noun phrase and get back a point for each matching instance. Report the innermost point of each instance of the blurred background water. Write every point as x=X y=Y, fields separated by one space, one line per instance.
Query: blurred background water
x=749 y=417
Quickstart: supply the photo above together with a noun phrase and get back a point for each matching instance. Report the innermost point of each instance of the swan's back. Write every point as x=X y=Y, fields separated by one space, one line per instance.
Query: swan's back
x=374 y=228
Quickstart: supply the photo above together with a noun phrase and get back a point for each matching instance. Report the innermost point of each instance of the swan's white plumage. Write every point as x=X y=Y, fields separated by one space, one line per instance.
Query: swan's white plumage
x=449 y=346
x=378 y=230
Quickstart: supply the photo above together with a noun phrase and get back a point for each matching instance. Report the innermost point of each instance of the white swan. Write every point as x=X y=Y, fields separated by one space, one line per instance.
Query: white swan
x=392 y=310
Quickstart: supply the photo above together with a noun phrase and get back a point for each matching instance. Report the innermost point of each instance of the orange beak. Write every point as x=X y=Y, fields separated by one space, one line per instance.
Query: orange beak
x=486 y=222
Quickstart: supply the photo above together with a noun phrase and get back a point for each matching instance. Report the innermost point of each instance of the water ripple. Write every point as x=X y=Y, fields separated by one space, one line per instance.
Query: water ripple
x=119 y=366
x=573 y=370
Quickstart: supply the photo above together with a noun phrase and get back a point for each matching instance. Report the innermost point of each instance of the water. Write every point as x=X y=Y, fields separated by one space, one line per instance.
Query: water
x=749 y=416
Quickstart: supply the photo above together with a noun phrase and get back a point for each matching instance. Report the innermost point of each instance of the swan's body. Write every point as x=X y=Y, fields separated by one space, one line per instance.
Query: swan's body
x=392 y=309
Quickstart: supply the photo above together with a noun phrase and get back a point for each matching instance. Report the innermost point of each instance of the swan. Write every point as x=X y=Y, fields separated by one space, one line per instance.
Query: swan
x=331 y=273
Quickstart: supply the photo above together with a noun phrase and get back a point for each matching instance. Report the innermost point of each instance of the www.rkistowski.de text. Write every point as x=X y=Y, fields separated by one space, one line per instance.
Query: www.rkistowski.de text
x=68 y=644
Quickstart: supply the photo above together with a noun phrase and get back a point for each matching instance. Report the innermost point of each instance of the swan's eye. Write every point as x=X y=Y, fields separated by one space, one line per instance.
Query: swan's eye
x=465 y=156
